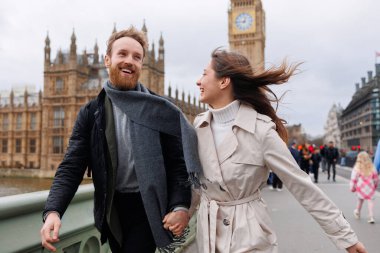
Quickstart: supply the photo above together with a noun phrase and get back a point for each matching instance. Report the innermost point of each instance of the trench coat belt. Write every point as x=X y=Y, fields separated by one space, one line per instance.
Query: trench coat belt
x=213 y=207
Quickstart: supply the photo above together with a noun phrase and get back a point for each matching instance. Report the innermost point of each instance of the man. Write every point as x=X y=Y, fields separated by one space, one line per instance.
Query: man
x=137 y=146
x=294 y=151
x=316 y=159
x=331 y=155
x=323 y=156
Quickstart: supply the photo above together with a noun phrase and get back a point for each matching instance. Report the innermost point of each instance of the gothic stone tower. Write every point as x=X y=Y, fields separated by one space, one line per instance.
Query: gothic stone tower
x=70 y=81
x=246 y=30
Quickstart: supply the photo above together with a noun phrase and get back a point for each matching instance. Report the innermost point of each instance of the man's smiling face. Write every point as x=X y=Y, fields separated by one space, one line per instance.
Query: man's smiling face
x=125 y=63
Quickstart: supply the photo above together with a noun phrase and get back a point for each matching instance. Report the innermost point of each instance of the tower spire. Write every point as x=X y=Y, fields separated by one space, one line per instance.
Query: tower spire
x=144 y=28
x=114 y=28
x=47 y=50
x=153 y=53
x=161 y=54
x=73 y=47
x=96 y=53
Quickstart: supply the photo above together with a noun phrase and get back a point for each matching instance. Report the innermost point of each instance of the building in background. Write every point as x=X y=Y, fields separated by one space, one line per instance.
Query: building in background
x=246 y=30
x=332 y=126
x=20 y=130
x=360 y=120
x=296 y=133
x=36 y=126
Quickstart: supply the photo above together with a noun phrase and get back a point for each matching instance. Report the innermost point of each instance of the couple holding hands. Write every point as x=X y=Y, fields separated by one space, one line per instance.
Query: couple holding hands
x=147 y=161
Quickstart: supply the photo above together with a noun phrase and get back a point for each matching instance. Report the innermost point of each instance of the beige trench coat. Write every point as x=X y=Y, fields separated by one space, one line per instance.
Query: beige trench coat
x=232 y=216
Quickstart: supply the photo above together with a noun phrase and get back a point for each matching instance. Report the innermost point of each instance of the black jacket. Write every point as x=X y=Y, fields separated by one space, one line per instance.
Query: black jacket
x=88 y=148
x=331 y=154
x=316 y=158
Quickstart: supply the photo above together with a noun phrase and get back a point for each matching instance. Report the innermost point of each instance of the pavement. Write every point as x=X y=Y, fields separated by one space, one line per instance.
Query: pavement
x=297 y=231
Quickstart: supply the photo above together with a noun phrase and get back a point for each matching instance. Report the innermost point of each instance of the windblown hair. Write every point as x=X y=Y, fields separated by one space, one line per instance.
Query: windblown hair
x=252 y=88
x=131 y=32
x=364 y=164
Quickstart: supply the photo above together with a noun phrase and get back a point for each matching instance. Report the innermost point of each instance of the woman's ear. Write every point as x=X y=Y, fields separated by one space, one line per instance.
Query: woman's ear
x=225 y=82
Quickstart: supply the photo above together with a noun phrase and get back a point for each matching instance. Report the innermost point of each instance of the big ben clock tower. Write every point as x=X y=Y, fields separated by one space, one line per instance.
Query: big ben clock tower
x=246 y=30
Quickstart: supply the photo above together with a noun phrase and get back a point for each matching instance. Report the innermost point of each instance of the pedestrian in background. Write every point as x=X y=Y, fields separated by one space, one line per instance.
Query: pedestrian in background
x=377 y=158
x=316 y=159
x=305 y=160
x=343 y=157
x=295 y=152
x=323 y=156
x=277 y=183
x=332 y=156
x=364 y=181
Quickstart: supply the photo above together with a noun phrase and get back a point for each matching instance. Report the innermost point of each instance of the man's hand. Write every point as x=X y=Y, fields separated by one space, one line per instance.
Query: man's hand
x=176 y=221
x=49 y=231
x=357 y=248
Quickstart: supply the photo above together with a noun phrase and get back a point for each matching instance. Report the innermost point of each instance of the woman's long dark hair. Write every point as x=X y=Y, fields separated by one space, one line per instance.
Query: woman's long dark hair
x=252 y=88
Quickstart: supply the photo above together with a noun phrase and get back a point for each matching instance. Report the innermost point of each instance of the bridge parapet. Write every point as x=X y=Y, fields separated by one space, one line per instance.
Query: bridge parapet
x=21 y=221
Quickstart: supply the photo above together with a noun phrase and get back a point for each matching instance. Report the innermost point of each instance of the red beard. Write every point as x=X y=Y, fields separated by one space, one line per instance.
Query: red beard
x=121 y=81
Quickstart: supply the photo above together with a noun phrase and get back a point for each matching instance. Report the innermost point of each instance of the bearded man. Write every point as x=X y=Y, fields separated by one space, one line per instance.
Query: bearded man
x=141 y=152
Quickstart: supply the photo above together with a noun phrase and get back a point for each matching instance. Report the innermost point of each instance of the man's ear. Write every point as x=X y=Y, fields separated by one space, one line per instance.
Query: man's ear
x=225 y=82
x=107 y=61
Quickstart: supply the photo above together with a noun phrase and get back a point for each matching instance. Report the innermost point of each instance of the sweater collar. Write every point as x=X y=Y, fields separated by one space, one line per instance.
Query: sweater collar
x=246 y=118
x=226 y=114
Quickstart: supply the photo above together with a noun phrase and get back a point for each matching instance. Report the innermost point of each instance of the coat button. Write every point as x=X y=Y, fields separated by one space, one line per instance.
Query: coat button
x=226 y=222
x=204 y=186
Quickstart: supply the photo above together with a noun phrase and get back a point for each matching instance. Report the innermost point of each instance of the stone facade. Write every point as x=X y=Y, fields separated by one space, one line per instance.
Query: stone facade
x=20 y=130
x=332 y=126
x=296 y=133
x=36 y=127
x=246 y=30
x=360 y=120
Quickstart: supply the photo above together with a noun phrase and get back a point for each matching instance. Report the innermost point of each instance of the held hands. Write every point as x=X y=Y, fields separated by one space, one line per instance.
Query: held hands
x=176 y=221
x=357 y=248
x=49 y=231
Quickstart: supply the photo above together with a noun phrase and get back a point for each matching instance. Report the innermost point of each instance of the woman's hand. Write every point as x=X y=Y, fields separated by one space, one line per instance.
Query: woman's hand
x=176 y=222
x=357 y=248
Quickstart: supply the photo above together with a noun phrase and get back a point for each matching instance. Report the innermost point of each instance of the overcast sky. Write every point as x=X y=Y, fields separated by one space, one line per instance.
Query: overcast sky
x=336 y=40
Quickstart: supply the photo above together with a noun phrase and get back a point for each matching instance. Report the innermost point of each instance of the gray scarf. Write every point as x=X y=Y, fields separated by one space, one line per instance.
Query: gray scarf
x=158 y=114
x=149 y=115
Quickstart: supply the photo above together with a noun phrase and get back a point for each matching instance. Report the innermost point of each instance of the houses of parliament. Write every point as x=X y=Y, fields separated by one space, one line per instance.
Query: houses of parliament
x=35 y=127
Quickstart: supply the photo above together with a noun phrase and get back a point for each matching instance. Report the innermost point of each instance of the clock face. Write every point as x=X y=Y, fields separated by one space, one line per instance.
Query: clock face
x=244 y=21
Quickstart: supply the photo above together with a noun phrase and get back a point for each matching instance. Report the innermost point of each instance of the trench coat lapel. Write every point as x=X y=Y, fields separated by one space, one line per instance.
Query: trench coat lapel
x=206 y=147
x=227 y=147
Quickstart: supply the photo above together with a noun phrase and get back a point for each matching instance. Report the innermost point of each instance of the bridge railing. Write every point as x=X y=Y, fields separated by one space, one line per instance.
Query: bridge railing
x=21 y=221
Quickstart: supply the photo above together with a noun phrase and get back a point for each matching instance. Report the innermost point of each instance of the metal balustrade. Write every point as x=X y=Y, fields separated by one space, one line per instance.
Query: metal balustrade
x=21 y=221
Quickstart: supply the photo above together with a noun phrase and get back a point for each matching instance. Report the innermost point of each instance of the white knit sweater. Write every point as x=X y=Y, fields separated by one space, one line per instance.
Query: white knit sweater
x=222 y=121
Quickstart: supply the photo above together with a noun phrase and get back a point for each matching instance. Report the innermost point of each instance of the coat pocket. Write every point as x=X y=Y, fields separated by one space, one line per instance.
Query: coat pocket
x=249 y=159
x=252 y=235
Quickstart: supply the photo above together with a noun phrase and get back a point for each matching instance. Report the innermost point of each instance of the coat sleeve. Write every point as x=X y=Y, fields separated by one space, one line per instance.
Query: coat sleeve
x=71 y=170
x=179 y=190
x=375 y=179
x=278 y=158
x=377 y=158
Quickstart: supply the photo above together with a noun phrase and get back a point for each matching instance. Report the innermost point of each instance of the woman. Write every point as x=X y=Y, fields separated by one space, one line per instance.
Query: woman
x=364 y=181
x=305 y=159
x=240 y=139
